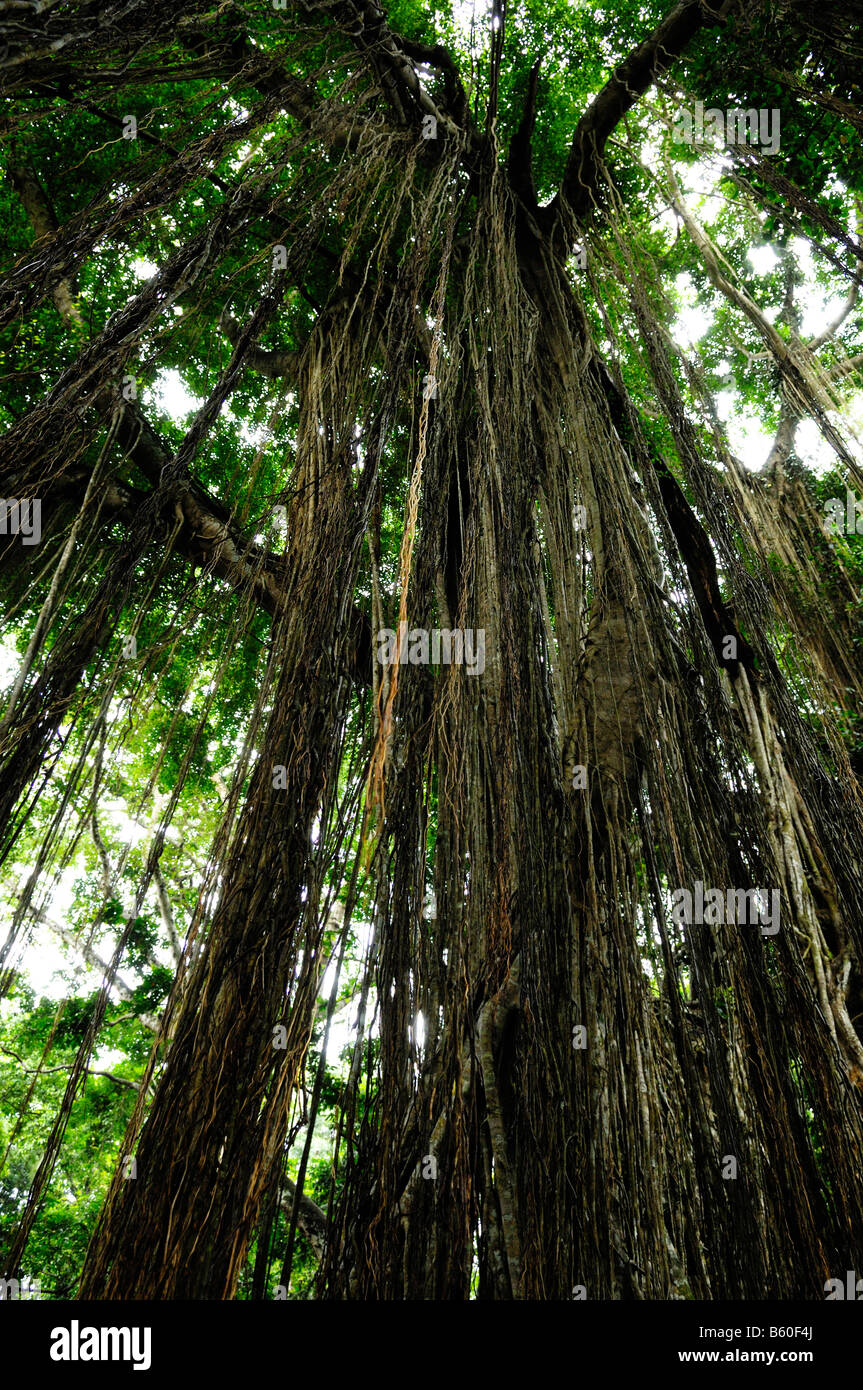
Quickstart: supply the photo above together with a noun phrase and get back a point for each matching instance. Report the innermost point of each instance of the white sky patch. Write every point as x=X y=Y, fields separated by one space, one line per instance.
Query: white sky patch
x=471 y=12
x=172 y=396
x=763 y=259
x=44 y=963
x=145 y=270
x=130 y=831
x=813 y=448
x=817 y=315
x=693 y=320
x=256 y=436
x=747 y=436
x=10 y=663
x=105 y=1058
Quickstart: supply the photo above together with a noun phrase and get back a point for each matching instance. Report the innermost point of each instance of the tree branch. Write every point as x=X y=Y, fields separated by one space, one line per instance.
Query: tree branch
x=311 y=1220
x=626 y=85
x=275 y=365
x=437 y=56
x=520 y=160
x=833 y=327
x=208 y=537
x=91 y=1071
x=796 y=364
x=166 y=911
x=44 y=225
x=364 y=22
x=93 y=959
x=845 y=367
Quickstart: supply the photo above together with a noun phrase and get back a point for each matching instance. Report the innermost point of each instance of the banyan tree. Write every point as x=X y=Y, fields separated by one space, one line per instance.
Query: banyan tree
x=431 y=588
